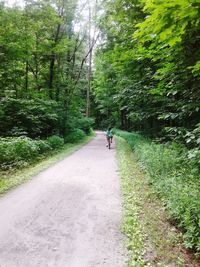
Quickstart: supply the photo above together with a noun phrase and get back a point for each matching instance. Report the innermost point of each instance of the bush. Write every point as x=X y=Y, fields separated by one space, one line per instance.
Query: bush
x=85 y=124
x=73 y=123
x=43 y=146
x=21 y=151
x=174 y=174
x=17 y=151
x=31 y=117
x=25 y=148
x=74 y=136
x=131 y=138
x=55 y=141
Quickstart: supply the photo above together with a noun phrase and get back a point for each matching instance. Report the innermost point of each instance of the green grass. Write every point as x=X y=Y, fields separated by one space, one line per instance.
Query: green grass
x=131 y=225
x=176 y=180
x=11 y=179
x=151 y=239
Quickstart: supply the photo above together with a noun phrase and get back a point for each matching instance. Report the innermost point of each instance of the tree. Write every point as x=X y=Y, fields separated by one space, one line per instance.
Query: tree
x=152 y=49
x=43 y=56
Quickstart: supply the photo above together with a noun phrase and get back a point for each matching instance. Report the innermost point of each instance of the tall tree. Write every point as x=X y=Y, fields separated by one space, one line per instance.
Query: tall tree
x=154 y=60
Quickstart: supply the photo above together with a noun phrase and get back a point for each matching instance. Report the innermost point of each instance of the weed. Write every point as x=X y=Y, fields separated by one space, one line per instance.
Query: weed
x=172 y=176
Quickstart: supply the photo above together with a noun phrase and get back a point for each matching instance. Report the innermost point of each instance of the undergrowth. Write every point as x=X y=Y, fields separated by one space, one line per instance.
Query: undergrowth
x=17 y=152
x=151 y=239
x=14 y=177
x=132 y=226
x=175 y=178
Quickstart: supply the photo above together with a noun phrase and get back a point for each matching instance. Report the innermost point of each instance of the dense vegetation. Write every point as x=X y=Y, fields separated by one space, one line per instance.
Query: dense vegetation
x=175 y=179
x=146 y=80
x=20 y=151
x=148 y=68
x=151 y=238
x=43 y=79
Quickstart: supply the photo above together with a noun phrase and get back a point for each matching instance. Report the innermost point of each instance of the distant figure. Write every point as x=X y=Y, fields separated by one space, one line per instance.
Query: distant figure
x=109 y=136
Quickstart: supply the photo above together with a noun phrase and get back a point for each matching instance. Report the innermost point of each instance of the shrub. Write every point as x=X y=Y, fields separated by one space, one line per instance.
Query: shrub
x=43 y=146
x=74 y=136
x=17 y=151
x=174 y=174
x=31 y=117
x=77 y=121
x=26 y=148
x=55 y=141
x=131 y=138
x=85 y=124
x=21 y=151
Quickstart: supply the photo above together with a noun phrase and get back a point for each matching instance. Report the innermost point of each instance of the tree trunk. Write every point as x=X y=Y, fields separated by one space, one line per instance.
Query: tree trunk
x=89 y=69
x=52 y=63
x=51 y=76
x=26 y=77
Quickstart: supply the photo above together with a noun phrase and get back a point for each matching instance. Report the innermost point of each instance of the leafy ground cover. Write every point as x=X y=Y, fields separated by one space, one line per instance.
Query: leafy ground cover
x=21 y=151
x=16 y=152
x=13 y=177
x=151 y=238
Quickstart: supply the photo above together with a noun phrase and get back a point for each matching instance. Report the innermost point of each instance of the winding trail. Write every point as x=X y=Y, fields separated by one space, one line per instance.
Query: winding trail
x=67 y=216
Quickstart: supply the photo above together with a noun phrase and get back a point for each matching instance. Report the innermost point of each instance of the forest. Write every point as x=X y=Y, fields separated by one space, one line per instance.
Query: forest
x=44 y=78
x=134 y=65
x=147 y=68
x=147 y=81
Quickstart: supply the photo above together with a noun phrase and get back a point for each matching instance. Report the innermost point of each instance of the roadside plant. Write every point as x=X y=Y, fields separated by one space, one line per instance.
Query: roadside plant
x=55 y=141
x=173 y=172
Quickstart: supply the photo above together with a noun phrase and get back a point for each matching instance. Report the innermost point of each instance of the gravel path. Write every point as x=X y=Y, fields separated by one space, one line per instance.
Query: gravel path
x=67 y=216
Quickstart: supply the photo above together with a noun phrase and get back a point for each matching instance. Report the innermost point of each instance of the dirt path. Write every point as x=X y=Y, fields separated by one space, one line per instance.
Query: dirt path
x=67 y=216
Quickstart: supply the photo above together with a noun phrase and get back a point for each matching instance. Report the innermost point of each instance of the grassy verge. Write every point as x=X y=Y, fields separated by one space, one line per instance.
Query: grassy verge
x=131 y=225
x=175 y=177
x=11 y=179
x=151 y=239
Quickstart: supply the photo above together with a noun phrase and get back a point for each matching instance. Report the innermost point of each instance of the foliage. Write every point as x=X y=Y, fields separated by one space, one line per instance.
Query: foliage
x=132 y=226
x=77 y=121
x=85 y=124
x=43 y=146
x=175 y=177
x=20 y=151
x=43 y=70
x=16 y=177
x=151 y=239
x=75 y=136
x=147 y=68
x=34 y=118
x=55 y=141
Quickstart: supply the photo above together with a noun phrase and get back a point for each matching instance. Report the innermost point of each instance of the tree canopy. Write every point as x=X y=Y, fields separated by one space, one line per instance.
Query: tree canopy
x=44 y=67
x=147 y=68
